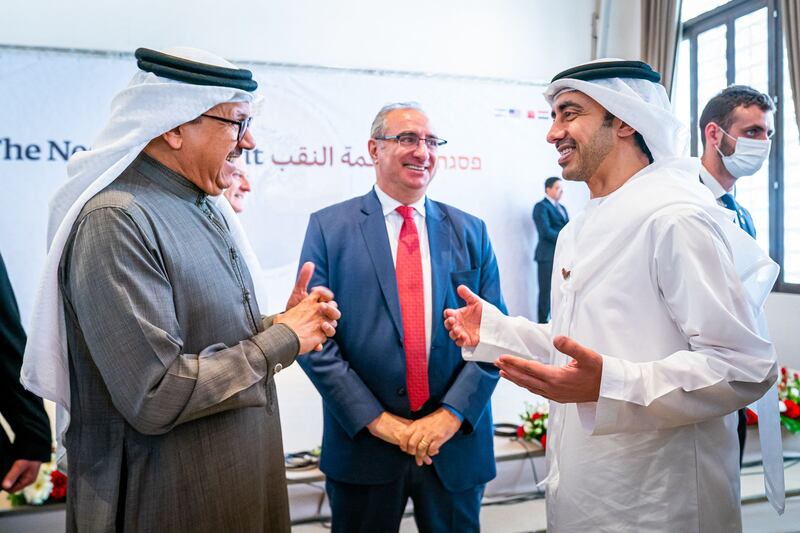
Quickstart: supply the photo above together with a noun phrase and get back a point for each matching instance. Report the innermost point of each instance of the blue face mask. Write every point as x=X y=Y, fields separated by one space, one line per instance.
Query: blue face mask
x=748 y=156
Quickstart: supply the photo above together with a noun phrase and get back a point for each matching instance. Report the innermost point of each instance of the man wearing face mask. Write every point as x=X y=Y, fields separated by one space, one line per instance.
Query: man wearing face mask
x=736 y=125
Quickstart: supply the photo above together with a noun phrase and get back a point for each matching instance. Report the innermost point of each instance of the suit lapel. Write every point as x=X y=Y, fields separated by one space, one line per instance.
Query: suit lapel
x=441 y=264
x=373 y=228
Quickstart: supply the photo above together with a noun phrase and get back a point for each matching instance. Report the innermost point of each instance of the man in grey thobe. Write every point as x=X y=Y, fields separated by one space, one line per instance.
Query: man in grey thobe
x=175 y=423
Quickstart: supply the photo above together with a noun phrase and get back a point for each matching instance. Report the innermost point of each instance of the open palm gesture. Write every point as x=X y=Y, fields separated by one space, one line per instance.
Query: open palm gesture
x=464 y=324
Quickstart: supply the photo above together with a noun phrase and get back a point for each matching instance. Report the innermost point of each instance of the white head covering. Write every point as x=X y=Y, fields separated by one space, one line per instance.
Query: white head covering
x=644 y=106
x=149 y=106
x=640 y=103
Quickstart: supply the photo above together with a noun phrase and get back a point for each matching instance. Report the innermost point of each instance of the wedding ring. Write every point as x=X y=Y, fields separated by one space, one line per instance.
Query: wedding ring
x=423 y=444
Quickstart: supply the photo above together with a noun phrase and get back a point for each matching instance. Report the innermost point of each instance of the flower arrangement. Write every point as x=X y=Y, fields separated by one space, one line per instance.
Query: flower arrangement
x=50 y=486
x=534 y=424
x=788 y=402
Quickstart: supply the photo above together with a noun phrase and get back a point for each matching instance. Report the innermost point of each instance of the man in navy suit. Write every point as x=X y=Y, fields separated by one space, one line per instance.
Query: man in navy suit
x=736 y=127
x=549 y=216
x=404 y=415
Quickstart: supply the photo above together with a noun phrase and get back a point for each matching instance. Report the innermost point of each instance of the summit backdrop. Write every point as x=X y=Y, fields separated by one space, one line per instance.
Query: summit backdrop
x=312 y=130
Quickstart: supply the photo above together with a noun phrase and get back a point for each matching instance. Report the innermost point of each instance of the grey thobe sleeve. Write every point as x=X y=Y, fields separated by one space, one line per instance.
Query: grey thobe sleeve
x=126 y=309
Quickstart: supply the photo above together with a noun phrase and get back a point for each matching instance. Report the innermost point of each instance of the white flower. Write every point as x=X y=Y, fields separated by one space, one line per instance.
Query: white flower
x=37 y=492
x=47 y=468
x=781 y=406
x=545 y=422
x=794 y=392
x=543 y=407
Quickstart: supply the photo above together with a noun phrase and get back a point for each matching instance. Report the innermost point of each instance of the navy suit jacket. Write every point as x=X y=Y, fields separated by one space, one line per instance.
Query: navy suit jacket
x=549 y=222
x=361 y=371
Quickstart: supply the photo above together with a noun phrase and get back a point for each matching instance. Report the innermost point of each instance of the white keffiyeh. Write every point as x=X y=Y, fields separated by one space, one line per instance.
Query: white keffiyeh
x=645 y=107
x=149 y=106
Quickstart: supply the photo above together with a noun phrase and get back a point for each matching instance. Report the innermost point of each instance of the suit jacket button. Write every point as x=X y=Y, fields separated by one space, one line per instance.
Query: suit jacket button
x=278 y=368
x=401 y=391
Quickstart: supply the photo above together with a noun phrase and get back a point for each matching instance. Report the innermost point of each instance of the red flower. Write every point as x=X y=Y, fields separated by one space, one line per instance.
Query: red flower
x=792 y=409
x=543 y=440
x=520 y=432
x=536 y=416
x=59 y=482
x=752 y=417
x=783 y=370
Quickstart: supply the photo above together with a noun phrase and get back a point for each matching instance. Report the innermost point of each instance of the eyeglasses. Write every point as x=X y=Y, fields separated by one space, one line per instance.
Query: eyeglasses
x=411 y=140
x=243 y=124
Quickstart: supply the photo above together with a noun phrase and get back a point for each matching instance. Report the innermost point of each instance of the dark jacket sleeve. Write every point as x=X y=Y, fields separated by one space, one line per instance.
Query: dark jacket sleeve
x=350 y=399
x=23 y=410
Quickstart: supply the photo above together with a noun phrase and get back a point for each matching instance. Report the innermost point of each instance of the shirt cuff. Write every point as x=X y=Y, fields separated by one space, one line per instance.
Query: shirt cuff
x=454 y=411
x=612 y=381
x=279 y=344
x=598 y=418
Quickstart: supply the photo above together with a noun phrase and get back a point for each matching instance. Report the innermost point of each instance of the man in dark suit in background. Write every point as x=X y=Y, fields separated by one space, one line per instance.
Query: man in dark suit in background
x=736 y=126
x=549 y=216
x=404 y=414
x=24 y=411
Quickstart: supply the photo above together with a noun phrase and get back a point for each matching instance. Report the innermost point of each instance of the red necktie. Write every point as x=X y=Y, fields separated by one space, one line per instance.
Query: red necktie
x=412 y=306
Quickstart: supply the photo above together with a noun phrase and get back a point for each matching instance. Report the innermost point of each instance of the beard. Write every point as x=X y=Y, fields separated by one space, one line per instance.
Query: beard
x=727 y=146
x=591 y=155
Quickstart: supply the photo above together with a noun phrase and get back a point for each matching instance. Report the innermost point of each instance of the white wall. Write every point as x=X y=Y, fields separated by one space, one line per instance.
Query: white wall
x=516 y=39
x=619 y=29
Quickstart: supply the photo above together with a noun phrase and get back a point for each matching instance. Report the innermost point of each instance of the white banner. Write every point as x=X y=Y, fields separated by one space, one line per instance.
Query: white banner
x=312 y=151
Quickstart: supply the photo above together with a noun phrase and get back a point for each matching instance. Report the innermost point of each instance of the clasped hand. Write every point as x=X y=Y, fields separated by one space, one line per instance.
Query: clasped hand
x=312 y=316
x=421 y=438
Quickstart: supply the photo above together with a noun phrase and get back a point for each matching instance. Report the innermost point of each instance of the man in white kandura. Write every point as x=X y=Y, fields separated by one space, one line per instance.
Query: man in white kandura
x=657 y=335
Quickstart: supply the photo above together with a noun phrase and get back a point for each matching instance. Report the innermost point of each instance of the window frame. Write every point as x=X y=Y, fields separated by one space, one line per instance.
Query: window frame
x=727 y=14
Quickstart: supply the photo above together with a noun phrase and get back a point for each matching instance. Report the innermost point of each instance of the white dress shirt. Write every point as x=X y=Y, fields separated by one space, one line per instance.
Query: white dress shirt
x=394 y=223
x=717 y=190
x=711 y=182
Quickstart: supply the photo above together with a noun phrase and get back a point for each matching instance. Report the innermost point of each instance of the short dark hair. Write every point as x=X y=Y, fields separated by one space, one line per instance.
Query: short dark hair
x=609 y=118
x=549 y=182
x=720 y=108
